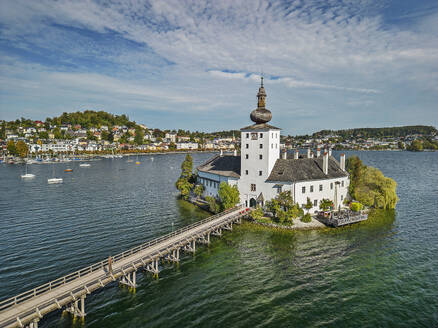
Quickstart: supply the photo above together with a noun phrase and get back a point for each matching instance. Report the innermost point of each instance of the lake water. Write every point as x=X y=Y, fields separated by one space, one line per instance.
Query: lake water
x=382 y=273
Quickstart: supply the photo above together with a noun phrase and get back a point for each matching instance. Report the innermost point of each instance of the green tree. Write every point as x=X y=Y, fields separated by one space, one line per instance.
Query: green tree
x=139 y=136
x=285 y=200
x=371 y=187
x=57 y=133
x=22 y=148
x=325 y=204
x=12 y=149
x=90 y=135
x=273 y=206
x=187 y=167
x=184 y=186
x=415 y=145
x=355 y=167
x=308 y=205
x=214 y=207
x=228 y=195
x=199 y=190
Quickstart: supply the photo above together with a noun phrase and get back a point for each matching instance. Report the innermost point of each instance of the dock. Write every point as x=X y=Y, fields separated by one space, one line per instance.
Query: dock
x=69 y=292
x=335 y=219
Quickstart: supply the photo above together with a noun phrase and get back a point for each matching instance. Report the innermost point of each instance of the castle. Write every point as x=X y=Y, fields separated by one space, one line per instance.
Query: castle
x=261 y=171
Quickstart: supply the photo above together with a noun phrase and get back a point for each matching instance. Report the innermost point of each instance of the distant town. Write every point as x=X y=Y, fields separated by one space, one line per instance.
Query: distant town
x=92 y=132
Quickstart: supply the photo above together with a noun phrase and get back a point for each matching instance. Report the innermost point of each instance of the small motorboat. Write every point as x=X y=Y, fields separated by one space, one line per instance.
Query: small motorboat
x=54 y=180
x=68 y=170
x=84 y=165
x=137 y=162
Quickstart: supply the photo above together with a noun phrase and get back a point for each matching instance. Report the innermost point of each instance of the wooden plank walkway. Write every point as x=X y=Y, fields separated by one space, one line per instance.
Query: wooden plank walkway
x=28 y=308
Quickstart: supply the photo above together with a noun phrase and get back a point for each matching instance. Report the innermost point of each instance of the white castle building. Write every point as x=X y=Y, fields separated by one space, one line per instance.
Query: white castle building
x=260 y=173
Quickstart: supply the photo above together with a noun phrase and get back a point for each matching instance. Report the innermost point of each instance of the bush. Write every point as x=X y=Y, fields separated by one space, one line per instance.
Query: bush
x=356 y=207
x=369 y=186
x=257 y=214
x=214 y=207
x=306 y=218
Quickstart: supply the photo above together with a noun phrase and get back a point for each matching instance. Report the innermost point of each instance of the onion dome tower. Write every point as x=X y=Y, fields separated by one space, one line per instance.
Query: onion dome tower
x=261 y=114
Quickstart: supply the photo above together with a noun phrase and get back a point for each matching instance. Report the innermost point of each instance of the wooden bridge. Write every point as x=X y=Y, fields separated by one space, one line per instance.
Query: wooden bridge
x=69 y=292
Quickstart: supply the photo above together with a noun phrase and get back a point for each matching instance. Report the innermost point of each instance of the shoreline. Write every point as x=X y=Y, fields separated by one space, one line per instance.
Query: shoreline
x=298 y=225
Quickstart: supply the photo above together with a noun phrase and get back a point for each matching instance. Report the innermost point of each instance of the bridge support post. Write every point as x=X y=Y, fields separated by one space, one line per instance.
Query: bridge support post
x=74 y=309
x=129 y=280
x=33 y=324
x=194 y=246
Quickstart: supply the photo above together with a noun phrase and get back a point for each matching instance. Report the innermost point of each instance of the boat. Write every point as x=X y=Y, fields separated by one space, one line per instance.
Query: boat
x=27 y=175
x=68 y=170
x=137 y=162
x=54 y=180
x=84 y=165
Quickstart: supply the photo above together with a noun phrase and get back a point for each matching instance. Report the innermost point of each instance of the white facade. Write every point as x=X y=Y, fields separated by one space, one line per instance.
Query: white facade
x=187 y=145
x=260 y=153
x=211 y=182
x=260 y=149
x=335 y=189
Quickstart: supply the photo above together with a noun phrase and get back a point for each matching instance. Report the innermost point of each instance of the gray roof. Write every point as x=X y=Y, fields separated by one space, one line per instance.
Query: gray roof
x=226 y=165
x=262 y=126
x=304 y=169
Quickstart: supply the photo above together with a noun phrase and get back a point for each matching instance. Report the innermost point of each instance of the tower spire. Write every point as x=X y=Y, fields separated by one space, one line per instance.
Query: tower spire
x=261 y=114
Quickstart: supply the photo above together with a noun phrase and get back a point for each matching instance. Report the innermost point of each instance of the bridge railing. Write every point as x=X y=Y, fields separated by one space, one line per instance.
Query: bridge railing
x=20 y=298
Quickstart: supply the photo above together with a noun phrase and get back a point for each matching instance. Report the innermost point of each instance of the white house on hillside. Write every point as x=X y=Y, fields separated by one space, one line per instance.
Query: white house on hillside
x=260 y=174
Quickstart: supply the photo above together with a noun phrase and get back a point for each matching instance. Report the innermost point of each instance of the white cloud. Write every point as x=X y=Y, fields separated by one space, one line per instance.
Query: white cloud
x=328 y=48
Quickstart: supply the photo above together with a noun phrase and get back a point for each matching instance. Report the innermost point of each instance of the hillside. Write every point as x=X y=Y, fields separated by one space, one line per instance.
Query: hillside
x=398 y=131
x=89 y=118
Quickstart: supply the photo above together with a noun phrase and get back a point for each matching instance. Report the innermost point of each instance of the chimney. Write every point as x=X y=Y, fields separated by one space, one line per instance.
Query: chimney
x=342 y=162
x=296 y=154
x=325 y=163
x=284 y=154
x=235 y=152
x=318 y=152
x=330 y=151
x=222 y=153
x=308 y=152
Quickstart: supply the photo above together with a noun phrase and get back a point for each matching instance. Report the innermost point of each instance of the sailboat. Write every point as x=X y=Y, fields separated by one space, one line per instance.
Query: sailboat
x=27 y=175
x=53 y=179
x=137 y=162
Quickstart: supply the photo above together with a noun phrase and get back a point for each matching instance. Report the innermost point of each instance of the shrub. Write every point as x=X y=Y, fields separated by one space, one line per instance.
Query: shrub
x=214 y=207
x=356 y=207
x=306 y=218
x=257 y=214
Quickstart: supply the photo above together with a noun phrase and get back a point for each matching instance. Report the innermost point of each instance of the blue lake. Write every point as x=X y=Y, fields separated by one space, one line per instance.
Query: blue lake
x=383 y=273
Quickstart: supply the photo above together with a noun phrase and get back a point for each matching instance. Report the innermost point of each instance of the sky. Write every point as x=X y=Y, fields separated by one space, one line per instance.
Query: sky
x=196 y=65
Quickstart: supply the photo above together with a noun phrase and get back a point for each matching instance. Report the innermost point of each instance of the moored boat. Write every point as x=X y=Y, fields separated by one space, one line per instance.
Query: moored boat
x=54 y=180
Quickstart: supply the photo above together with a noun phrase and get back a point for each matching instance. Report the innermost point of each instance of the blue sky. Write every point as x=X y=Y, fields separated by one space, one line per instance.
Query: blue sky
x=196 y=65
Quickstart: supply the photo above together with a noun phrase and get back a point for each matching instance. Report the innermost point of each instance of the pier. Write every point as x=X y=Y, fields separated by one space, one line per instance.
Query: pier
x=335 y=219
x=69 y=292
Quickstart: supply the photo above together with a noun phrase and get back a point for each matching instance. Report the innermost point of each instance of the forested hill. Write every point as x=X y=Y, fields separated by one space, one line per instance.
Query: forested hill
x=398 y=131
x=89 y=118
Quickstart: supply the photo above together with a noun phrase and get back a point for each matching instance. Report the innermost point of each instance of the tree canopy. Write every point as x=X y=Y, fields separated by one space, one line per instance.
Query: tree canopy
x=369 y=186
x=228 y=195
